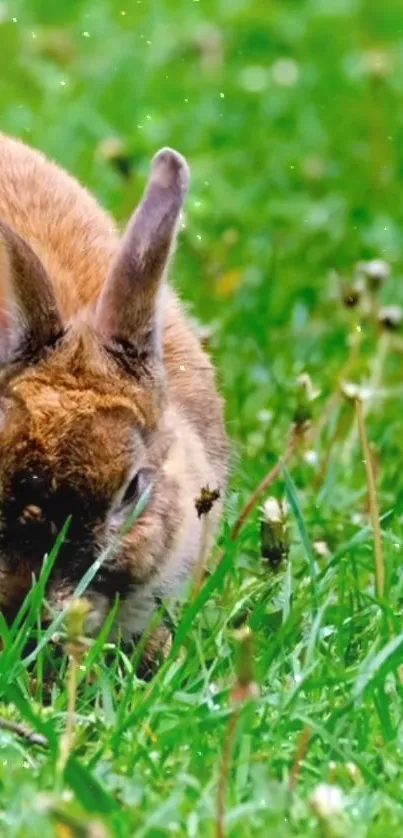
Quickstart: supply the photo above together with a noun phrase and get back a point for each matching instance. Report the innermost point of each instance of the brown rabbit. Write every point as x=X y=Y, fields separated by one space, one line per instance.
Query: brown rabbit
x=104 y=390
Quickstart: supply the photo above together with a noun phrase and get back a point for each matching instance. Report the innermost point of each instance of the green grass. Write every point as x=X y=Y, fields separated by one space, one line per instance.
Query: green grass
x=291 y=116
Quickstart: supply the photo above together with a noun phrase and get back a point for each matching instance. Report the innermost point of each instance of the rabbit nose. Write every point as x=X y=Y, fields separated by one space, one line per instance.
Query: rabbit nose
x=30 y=536
x=31 y=514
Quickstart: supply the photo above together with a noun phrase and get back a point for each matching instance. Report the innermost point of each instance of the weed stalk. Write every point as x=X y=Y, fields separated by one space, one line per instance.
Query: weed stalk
x=373 y=500
x=75 y=647
x=244 y=688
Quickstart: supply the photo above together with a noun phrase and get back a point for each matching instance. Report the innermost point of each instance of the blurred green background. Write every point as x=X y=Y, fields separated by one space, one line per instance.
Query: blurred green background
x=290 y=114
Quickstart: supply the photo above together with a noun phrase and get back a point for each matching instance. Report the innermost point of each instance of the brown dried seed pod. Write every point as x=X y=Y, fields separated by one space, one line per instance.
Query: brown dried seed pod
x=351 y=295
x=390 y=317
x=274 y=540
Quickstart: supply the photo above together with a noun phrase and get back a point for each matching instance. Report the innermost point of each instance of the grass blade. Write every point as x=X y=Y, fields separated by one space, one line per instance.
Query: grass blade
x=373 y=665
x=297 y=512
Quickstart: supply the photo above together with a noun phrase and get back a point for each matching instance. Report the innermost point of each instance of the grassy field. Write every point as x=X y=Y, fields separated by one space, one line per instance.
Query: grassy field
x=290 y=114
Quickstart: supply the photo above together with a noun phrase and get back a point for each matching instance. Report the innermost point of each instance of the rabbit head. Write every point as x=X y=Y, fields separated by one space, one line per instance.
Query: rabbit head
x=85 y=420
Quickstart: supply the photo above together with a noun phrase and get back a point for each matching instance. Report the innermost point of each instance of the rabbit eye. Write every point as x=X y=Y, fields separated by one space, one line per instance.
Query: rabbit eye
x=136 y=487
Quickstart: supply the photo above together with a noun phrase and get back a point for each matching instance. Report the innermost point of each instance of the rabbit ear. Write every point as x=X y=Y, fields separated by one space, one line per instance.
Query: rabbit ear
x=129 y=307
x=29 y=318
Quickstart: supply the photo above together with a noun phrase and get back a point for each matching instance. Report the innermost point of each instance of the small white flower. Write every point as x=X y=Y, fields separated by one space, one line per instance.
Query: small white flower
x=311 y=457
x=354 y=391
x=321 y=549
x=272 y=510
x=275 y=511
x=375 y=268
x=305 y=382
x=265 y=416
x=353 y=772
x=285 y=72
x=327 y=801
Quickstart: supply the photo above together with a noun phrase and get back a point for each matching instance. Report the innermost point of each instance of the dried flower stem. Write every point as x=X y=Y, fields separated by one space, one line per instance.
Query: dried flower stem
x=344 y=373
x=302 y=748
x=75 y=647
x=225 y=765
x=205 y=541
x=264 y=484
x=23 y=733
x=66 y=742
x=320 y=476
x=71 y=707
x=295 y=438
x=373 y=386
x=396 y=343
x=373 y=500
x=244 y=689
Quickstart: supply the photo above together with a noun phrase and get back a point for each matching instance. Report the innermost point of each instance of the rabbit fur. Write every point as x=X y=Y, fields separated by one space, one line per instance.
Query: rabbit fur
x=104 y=390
